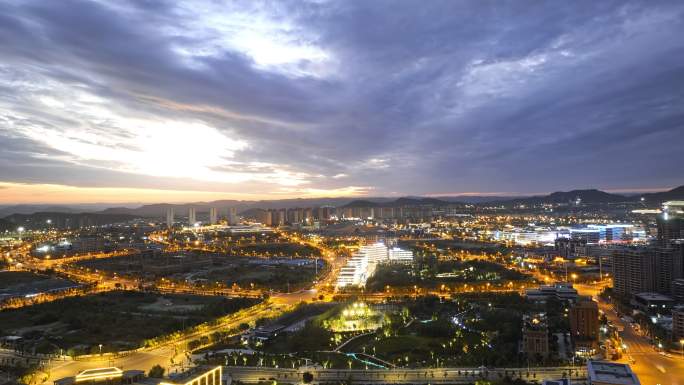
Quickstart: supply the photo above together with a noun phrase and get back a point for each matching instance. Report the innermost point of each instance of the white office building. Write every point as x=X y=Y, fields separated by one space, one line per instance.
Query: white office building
x=362 y=264
x=356 y=272
x=397 y=255
x=376 y=252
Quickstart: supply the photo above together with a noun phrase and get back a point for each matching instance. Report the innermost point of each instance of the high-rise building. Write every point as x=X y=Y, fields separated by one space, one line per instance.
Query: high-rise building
x=323 y=213
x=213 y=217
x=169 y=217
x=678 y=323
x=634 y=271
x=678 y=290
x=192 y=216
x=266 y=217
x=308 y=215
x=232 y=216
x=584 y=325
x=669 y=264
x=671 y=222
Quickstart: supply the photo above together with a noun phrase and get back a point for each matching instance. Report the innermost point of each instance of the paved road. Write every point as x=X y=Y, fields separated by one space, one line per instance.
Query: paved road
x=651 y=367
x=401 y=376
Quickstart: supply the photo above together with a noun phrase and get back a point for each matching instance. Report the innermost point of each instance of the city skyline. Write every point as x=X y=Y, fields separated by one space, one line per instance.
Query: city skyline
x=192 y=101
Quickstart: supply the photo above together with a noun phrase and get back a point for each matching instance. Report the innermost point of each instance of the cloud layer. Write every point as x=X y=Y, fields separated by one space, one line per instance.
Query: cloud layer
x=353 y=97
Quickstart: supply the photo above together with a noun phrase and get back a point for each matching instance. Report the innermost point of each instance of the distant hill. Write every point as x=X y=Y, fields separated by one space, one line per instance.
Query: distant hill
x=404 y=201
x=676 y=193
x=34 y=208
x=64 y=220
x=159 y=210
x=6 y=225
x=30 y=209
x=593 y=196
x=362 y=203
x=477 y=199
x=410 y=201
x=589 y=196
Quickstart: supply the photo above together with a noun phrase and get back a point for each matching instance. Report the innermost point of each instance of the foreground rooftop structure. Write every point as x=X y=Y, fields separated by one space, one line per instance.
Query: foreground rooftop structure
x=610 y=373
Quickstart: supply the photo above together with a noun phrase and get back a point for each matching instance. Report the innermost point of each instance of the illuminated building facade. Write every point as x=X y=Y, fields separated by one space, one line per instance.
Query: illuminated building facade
x=201 y=375
x=671 y=222
x=362 y=264
x=103 y=376
x=398 y=255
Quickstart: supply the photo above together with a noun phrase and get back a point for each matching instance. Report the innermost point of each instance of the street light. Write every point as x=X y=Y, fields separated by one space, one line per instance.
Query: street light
x=100 y=346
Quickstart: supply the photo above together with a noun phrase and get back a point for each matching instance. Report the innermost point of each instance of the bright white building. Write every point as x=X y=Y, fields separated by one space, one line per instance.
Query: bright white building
x=376 y=252
x=356 y=272
x=362 y=264
x=398 y=255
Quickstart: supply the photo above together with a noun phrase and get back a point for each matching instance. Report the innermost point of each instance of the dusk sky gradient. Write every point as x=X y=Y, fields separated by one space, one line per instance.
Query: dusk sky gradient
x=116 y=101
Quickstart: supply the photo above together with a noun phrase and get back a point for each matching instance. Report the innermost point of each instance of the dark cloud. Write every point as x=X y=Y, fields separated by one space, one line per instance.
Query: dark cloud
x=412 y=97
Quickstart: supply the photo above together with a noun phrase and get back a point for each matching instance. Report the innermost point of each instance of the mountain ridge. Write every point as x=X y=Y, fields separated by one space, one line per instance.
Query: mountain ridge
x=587 y=196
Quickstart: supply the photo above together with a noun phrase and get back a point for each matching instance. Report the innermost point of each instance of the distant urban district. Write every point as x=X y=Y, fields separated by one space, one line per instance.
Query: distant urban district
x=564 y=287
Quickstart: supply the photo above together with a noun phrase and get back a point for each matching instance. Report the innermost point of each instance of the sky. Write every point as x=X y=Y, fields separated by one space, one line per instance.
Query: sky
x=150 y=101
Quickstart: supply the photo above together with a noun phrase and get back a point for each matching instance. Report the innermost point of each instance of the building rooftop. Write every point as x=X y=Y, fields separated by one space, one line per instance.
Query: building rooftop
x=648 y=296
x=602 y=372
x=97 y=374
x=534 y=321
x=189 y=375
x=562 y=381
x=270 y=328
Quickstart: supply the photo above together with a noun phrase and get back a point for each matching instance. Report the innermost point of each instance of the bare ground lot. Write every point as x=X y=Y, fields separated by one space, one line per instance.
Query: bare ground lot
x=20 y=283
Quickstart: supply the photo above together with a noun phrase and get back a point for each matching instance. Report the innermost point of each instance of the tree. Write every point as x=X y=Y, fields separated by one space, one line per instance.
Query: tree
x=156 y=372
x=307 y=377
